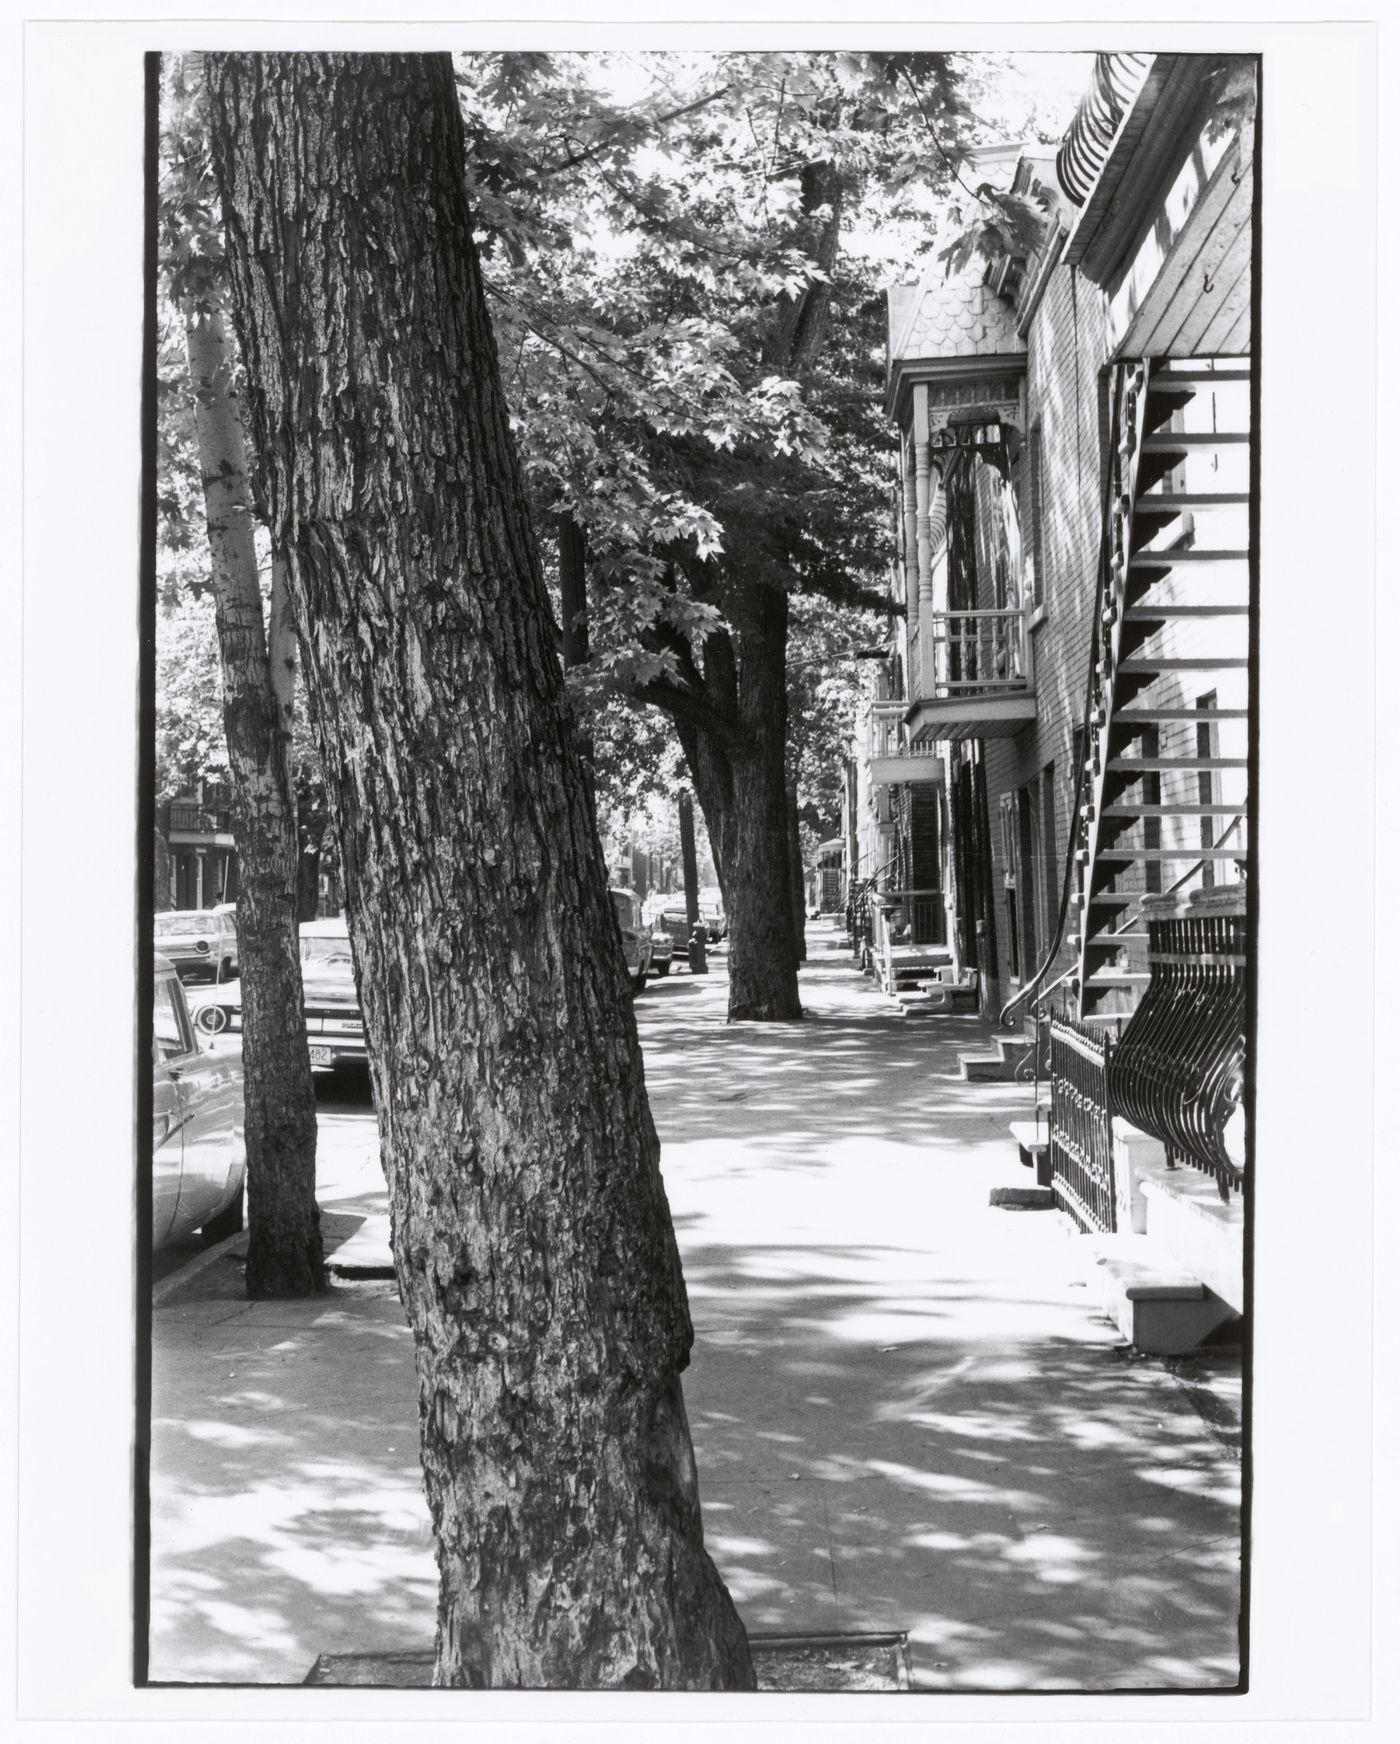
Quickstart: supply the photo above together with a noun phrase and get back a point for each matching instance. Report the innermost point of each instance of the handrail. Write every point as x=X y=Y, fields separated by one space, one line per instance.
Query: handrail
x=1072 y=834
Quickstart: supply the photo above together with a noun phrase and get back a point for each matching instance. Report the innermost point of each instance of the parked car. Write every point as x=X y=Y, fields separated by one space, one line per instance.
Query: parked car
x=636 y=936
x=335 y=1025
x=197 y=1154
x=673 y=923
x=335 y=1029
x=662 y=950
x=199 y=940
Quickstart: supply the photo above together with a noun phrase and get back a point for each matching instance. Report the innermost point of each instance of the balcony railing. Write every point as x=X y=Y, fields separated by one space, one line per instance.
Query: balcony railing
x=889 y=758
x=906 y=926
x=977 y=652
x=911 y=917
x=197 y=819
x=971 y=675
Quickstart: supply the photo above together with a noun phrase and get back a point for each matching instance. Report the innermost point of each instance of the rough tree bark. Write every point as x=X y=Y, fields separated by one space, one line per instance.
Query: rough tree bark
x=284 y=1232
x=532 y=1239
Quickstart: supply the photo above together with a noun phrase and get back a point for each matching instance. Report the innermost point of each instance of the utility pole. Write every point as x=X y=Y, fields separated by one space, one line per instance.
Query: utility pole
x=688 y=872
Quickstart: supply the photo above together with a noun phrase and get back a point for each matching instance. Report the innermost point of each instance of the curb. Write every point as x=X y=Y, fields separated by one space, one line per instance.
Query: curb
x=167 y=1287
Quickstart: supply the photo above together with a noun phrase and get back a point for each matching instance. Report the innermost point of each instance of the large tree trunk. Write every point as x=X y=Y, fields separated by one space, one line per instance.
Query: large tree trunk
x=737 y=765
x=762 y=949
x=532 y=1239
x=284 y=1231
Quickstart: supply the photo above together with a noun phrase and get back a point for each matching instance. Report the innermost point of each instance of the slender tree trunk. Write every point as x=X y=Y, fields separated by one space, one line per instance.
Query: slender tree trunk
x=532 y=1238
x=795 y=876
x=160 y=869
x=689 y=876
x=284 y=1232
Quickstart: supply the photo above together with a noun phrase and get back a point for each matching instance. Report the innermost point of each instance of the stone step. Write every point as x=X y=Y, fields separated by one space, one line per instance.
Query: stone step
x=1001 y=1065
x=1033 y=1142
x=1187 y=1216
x=1156 y=1303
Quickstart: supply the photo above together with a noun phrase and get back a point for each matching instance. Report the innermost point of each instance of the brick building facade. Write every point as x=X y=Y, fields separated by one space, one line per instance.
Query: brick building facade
x=1054 y=754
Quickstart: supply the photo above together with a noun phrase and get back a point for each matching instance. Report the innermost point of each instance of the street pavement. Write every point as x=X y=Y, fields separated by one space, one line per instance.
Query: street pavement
x=907 y=1414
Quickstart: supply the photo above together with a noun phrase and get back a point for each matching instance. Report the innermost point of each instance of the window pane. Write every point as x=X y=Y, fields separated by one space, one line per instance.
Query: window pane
x=171 y=1037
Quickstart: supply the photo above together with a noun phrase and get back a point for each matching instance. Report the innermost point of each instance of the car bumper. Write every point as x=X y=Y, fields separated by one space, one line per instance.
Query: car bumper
x=189 y=958
x=333 y=1039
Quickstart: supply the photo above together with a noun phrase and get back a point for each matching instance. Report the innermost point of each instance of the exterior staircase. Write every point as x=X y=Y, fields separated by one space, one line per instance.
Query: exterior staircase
x=1164 y=797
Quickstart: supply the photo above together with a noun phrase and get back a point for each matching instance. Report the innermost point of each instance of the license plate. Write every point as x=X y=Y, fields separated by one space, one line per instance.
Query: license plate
x=322 y=1057
x=348 y=1024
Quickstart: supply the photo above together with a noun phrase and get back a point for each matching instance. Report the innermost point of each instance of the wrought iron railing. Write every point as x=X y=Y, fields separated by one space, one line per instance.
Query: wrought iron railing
x=860 y=912
x=977 y=653
x=1178 y=1072
x=1081 y=1124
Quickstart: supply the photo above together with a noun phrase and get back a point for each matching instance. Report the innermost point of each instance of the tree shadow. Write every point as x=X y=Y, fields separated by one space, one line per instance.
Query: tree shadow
x=905 y=1415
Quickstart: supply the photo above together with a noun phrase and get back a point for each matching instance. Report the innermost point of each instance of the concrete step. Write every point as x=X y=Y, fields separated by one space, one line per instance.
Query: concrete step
x=1203 y=1232
x=1001 y=1065
x=1156 y=1304
x=935 y=997
x=1033 y=1142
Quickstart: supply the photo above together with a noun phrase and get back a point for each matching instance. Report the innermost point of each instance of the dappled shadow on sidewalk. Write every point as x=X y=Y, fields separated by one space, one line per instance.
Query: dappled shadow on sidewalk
x=882 y=1446
x=287 y=1503
x=905 y=1415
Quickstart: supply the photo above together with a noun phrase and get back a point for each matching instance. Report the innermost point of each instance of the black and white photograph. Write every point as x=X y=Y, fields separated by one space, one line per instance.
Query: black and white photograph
x=720 y=871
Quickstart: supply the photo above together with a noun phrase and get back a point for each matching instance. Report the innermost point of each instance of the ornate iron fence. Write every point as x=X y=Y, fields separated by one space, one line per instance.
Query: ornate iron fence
x=1178 y=1072
x=1081 y=1124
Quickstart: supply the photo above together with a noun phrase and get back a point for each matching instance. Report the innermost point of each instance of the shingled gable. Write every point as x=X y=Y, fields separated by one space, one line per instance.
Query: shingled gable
x=955 y=331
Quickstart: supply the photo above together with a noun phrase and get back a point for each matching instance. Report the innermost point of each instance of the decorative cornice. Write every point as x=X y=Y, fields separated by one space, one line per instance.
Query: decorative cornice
x=957 y=388
x=1086 y=145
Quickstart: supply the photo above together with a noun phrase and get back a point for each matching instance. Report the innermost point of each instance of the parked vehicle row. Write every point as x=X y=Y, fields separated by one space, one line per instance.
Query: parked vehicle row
x=198 y=1154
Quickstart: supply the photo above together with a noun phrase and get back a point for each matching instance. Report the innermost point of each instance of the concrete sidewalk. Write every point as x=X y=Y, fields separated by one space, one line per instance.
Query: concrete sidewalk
x=906 y=1414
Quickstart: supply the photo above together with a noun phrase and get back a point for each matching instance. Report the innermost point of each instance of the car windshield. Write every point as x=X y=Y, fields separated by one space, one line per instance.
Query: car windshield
x=194 y=920
x=324 y=949
x=171 y=1024
x=626 y=910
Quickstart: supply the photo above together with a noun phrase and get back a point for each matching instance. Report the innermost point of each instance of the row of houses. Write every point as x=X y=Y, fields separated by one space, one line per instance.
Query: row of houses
x=1047 y=802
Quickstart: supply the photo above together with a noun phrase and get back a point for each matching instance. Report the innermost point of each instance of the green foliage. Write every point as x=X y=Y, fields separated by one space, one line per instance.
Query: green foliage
x=694 y=363
x=189 y=713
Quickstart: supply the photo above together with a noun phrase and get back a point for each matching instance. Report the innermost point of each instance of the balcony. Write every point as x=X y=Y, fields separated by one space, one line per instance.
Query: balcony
x=970 y=676
x=888 y=761
x=191 y=822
